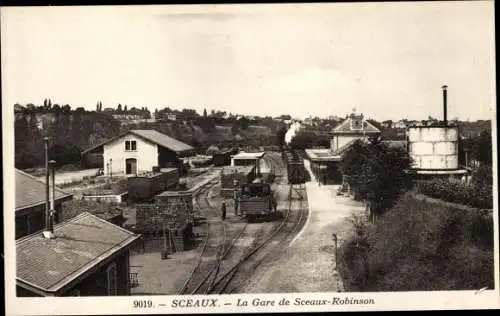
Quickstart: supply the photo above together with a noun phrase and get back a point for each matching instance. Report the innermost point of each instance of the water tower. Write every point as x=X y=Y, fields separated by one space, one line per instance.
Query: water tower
x=434 y=149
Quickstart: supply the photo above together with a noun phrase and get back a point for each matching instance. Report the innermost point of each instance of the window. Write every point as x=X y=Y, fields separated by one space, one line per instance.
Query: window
x=356 y=124
x=111 y=272
x=130 y=145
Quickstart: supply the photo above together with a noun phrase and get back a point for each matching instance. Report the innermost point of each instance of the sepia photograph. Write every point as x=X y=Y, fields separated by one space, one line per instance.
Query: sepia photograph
x=249 y=158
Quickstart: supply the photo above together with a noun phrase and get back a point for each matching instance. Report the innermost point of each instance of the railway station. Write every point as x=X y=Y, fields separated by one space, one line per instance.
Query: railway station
x=222 y=158
x=325 y=162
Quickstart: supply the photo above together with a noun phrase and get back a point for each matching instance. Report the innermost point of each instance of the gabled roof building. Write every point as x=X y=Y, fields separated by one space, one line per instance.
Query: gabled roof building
x=325 y=162
x=87 y=256
x=139 y=151
x=30 y=203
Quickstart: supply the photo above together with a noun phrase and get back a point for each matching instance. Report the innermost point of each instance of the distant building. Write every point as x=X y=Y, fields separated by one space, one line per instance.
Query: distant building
x=171 y=117
x=30 y=203
x=354 y=127
x=399 y=124
x=127 y=116
x=138 y=151
x=248 y=159
x=335 y=118
x=88 y=257
x=387 y=124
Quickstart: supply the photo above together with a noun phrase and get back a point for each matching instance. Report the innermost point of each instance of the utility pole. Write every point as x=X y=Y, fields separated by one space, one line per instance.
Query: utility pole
x=110 y=166
x=334 y=237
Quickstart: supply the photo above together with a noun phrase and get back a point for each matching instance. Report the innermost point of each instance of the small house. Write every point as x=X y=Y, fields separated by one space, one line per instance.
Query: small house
x=86 y=256
x=248 y=159
x=137 y=151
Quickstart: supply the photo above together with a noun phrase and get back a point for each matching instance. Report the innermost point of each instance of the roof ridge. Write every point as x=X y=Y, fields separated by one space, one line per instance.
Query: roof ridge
x=137 y=132
x=29 y=237
x=113 y=225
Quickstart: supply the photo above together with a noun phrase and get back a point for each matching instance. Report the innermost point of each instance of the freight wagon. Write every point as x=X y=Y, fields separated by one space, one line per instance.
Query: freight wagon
x=201 y=161
x=223 y=158
x=243 y=175
x=296 y=171
x=144 y=188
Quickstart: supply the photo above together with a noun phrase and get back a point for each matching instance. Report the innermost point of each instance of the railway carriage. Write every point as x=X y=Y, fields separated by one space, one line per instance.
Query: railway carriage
x=242 y=175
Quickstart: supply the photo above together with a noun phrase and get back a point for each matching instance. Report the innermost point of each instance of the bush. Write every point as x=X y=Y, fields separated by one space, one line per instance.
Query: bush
x=455 y=191
x=420 y=246
x=483 y=176
x=376 y=173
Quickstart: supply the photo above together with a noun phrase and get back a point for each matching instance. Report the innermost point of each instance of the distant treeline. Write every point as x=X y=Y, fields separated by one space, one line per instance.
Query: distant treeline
x=73 y=130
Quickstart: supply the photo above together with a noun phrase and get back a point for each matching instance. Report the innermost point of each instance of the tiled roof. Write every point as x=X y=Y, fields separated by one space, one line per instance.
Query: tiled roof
x=162 y=140
x=347 y=127
x=342 y=149
x=244 y=155
x=318 y=155
x=80 y=244
x=31 y=192
x=75 y=207
x=152 y=136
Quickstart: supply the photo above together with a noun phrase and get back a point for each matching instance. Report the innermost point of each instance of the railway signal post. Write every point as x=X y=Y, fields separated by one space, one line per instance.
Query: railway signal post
x=334 y=237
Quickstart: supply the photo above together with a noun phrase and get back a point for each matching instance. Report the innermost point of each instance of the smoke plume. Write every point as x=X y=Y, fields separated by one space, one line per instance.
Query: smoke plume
x=290 y=134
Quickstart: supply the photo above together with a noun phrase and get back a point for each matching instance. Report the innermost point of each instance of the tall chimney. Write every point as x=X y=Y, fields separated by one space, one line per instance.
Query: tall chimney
x=445 y=105
x=53 y=200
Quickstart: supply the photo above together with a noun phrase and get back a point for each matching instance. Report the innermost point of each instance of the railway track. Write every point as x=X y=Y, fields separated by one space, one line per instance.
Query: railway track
x=207 y=268
x=207 y=246
x=266 y=246
x=231 y=268
x=271 y=245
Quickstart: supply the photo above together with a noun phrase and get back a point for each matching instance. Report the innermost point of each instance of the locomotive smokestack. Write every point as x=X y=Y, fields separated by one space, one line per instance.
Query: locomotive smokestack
x=445 y=105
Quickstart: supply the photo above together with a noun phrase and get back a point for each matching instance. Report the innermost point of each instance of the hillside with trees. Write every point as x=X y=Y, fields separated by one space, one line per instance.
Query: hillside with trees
x=73 y=130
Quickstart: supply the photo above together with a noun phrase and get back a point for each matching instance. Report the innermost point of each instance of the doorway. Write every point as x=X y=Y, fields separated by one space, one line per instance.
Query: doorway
x=131 y=166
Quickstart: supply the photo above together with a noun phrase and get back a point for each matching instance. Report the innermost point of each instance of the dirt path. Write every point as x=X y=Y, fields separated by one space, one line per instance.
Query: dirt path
x=69 y=176
x=308 y=263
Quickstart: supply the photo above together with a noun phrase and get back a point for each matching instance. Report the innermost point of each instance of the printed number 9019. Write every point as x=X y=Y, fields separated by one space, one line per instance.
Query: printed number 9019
x=143 y=304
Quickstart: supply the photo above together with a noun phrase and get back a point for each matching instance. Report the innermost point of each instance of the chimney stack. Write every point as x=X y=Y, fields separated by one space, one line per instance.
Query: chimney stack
x=445 y=105
x=53 y=200
x=47 y=231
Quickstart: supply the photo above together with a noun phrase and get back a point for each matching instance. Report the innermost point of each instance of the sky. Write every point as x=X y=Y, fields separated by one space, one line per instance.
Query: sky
x=386 y=60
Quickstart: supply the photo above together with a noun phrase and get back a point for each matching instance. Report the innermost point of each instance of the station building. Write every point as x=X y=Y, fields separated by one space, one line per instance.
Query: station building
x=248 y=159
x=325 y=163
